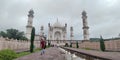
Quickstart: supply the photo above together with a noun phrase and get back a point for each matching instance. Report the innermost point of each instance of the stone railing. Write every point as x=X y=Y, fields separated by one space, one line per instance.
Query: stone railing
x=15 y=44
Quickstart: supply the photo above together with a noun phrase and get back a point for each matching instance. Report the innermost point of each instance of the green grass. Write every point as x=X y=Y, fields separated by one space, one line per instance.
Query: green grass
x=8 y=54
x=87 y=48
x=22 y=54
x=38 y=49
x=26 y=53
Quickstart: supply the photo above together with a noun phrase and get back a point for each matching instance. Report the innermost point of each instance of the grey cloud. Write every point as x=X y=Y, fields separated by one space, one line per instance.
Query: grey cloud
x=103 y=15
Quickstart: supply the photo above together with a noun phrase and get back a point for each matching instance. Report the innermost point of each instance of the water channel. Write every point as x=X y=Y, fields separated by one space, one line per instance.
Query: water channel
x=70 y=56
x=78 y=56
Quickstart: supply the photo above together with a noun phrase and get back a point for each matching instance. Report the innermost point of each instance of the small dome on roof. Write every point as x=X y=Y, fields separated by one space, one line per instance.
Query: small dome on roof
x=57 y=24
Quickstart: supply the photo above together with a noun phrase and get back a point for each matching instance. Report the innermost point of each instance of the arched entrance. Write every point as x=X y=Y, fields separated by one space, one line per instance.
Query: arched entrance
x=57 y=35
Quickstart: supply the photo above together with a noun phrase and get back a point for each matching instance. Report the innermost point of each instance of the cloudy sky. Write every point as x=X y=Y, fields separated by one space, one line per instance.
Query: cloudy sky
x=103 y=15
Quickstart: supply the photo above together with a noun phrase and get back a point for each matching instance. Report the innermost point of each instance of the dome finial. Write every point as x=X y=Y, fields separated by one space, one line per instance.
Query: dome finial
x=31 y=13
x=57 y=23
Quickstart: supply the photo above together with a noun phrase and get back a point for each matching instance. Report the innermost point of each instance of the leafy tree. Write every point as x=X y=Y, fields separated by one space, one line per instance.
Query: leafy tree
x=102 y=45
x=3 y=34
x=77 y=46
x=32 y=39
x=13 y=33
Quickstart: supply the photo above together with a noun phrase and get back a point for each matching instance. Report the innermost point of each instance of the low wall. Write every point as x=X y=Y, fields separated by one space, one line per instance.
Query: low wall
x=111 y=45
x=5 y=43
x=15 y=44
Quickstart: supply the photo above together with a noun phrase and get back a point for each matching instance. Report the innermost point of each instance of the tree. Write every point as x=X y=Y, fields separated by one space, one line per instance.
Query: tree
x=3 y=34
x=70 y=44
x=77 y=46
x=102 y=45
x=13 y=33
x=32 y=39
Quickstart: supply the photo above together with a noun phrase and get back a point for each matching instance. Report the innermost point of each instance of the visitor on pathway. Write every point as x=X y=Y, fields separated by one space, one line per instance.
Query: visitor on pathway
x=42 y=45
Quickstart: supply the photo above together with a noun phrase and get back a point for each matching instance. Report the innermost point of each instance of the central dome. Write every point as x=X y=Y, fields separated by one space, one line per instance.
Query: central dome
x=57 y=24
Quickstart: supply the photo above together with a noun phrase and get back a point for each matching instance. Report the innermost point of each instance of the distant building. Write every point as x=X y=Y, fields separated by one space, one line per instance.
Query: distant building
x=57 y=31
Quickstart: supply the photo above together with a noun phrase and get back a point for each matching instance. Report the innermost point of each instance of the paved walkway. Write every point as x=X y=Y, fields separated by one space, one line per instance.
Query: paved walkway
x=52 y=53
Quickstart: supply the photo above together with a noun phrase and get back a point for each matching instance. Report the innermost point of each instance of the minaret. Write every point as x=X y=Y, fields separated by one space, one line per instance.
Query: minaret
x=71 y=33
x=29 y=24
x=65 y=32
x=41 y=33
x=49 y=31
x=85 y=26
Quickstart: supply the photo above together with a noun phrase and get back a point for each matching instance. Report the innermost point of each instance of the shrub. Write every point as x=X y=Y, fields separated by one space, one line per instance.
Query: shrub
x=7 y=54
x=70 y=44
x=77 y=46
x=49 y=44
x=102 y=45
x=66 y=45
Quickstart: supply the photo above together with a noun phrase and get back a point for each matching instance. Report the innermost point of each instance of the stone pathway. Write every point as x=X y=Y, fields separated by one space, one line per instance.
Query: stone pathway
x=52 y=53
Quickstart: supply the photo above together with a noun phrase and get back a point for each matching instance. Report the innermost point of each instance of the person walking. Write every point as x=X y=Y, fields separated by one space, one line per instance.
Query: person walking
x=42 y=45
